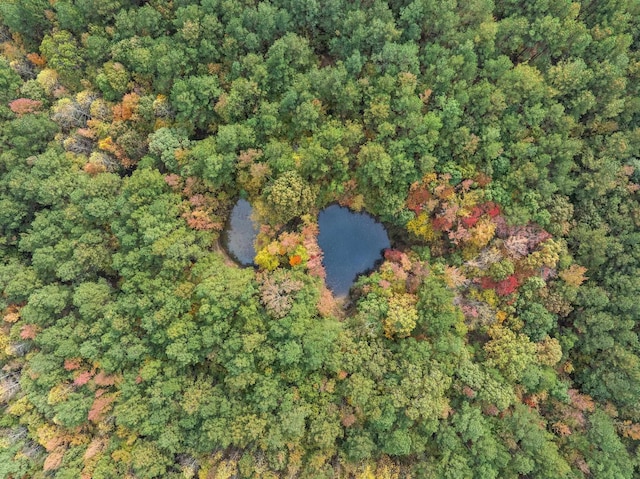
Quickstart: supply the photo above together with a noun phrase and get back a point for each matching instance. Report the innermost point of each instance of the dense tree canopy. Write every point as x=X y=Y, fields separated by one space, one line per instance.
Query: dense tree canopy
x=498 y=140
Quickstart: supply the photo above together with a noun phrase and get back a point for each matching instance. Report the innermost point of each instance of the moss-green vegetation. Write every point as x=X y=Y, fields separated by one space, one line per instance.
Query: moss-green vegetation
x=500 y=139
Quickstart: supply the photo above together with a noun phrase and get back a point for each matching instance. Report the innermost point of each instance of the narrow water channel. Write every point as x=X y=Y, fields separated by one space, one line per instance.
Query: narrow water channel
x=241 y=233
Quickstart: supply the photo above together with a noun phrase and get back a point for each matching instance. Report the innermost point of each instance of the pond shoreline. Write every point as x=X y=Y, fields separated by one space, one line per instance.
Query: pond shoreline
x=228 y=260
x=352 y=243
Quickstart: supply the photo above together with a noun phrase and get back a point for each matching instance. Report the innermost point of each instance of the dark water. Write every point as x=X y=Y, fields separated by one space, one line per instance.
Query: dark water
x=241 y=233
x=352 y=244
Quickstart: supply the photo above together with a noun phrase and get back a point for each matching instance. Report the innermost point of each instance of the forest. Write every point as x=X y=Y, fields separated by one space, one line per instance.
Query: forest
x=497 y=140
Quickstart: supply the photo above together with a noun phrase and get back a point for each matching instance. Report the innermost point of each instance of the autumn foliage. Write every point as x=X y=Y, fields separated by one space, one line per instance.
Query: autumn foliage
x=503 y=288
x=458 y=212
x=24 y=106
x=497 y=142
x=293 y=248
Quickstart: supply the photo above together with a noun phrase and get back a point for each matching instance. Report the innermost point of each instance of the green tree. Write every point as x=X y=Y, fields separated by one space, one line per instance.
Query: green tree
x=193 y=99
x=166 y=143
x=287 y=197
x=511 y=353
x=63 y=55
x=26 y=17
x=9 y=82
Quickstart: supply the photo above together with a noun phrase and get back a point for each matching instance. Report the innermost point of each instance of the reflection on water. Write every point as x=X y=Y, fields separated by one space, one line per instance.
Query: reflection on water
x=352 y=244
x=241 y=233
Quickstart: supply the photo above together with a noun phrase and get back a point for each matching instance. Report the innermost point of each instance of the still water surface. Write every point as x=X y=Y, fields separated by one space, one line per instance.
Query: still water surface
x=241 y=233
x=352 y=243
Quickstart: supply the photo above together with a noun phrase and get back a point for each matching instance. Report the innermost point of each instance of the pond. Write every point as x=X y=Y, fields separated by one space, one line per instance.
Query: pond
x=240 y=234
x=352 y=243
